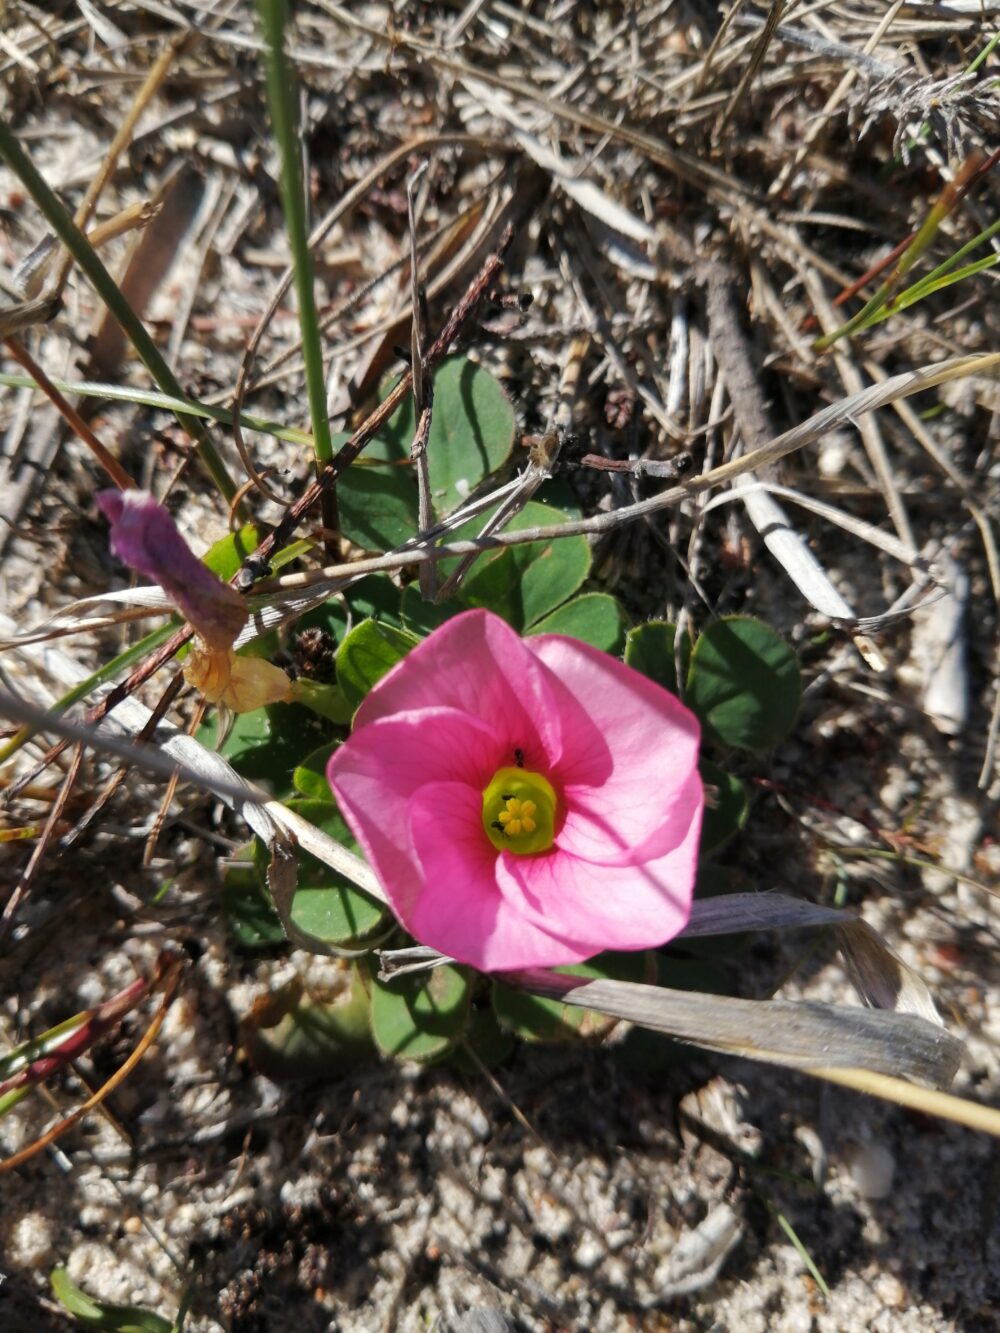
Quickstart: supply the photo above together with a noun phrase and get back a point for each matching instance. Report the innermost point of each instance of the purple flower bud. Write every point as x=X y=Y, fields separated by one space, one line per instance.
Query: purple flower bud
x=145 y=537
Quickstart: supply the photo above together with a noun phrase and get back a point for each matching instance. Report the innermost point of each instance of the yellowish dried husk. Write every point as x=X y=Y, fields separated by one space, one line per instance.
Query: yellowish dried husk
x=208 y=670
x=240 y=683
x=254 y=683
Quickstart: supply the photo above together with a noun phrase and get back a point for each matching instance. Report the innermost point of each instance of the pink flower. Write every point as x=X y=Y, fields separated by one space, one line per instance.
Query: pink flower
x=145 y=537
x=524 y=802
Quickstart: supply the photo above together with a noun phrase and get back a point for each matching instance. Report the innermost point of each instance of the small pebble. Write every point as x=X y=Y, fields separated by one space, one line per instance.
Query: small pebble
x=588 y=1254
x=872 y=1168
x=30 y=1243
x=890 y=1291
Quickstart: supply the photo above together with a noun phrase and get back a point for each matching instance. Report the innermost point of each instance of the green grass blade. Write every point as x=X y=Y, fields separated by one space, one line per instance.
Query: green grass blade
x=9 y=1100
x=29 y=1051
x=985 y=235
x=108 y=290
x=935 y=281
x=804 y=1254
x=866 y=315
x=926 y=287
x=984 y=54
x=282 y=94
x=945 y=203
x=179 y=406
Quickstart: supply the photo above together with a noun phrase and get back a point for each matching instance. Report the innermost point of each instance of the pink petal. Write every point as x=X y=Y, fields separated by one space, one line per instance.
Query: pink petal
x=376 y=773
x=629 y=748
x=404 y=751
x=145 y=537
x=609 y=907
x=477 y=664
x=459 y=908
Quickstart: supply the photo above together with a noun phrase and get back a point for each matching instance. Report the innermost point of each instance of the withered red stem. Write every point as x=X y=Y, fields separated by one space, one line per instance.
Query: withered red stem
x=96 y=1025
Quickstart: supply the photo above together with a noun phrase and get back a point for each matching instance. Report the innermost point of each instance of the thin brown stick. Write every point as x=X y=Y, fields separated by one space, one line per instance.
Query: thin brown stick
x=753 y=65
x=69 y=413
x=23 y=887
x=172 y=781
x=146 y=734
x=425 y=511
x=256 y=564
x=422 y=387
x=640 y=467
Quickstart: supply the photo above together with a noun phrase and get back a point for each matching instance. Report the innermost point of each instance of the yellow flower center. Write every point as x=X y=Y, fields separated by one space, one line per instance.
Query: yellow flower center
x=519 y=811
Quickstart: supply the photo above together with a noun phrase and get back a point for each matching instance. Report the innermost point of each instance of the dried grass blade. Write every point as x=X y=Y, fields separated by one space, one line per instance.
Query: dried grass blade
x=268 y=818
x=792 y=554
x=162 y=761
x=731 y=913
x=150 y=87
x=151 y=257
x=868 y=429
x=845 y=411
x=282 y=881
x=795 y=1034
x=857 y=527
x=929 y=1101
x=584 y=193
x=92 y=613
x=732 y=351
x=325 y=849
x=26 y=314
x=880 y=976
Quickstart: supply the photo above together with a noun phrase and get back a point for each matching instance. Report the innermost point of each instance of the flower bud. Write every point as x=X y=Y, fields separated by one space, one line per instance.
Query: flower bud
x=145 y=537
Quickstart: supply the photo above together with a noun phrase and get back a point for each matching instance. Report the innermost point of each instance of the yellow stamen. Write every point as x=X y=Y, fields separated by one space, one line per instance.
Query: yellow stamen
x=519 y=809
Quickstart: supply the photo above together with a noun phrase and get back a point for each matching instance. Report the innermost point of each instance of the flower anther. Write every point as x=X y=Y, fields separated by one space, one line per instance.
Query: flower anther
x=519 y=811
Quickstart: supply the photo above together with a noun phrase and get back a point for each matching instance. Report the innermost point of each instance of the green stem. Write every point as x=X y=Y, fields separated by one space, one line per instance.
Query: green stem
x=921 y=290
x=281 y=88
x=985 y=53
x=930 y=280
